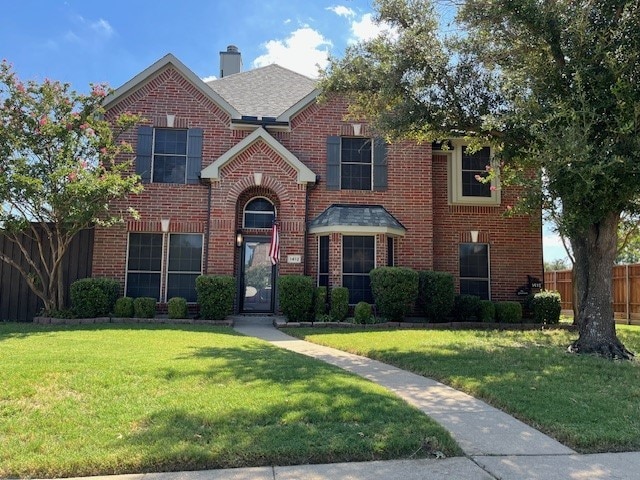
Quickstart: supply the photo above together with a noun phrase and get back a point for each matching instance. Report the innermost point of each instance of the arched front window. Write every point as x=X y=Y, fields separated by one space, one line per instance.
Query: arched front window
x=259 y=213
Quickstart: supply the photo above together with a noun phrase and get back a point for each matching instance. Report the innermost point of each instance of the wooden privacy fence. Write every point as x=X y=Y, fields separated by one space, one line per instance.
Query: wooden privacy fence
x=626 y=291
x=17 y=301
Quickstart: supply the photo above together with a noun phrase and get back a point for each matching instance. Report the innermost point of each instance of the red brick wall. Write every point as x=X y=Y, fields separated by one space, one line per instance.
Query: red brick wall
x=416 y=196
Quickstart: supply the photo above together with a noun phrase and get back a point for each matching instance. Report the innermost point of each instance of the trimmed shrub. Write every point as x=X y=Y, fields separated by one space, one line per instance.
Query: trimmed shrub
x=144 y=307
x=466 y=307
x=362 y=313
x=319 y=302
x=296 y=297
x=486 y=311
x=94 y=297
x=123 y=307
x=509 y=312
x=215 y=294
x=177 y=307
x=339 y=303
x=546 y=307
x=395 y=290
x=436 y=295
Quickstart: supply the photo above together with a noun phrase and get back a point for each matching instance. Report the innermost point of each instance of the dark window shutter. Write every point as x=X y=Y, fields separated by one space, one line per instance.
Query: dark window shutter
x=333 y=163
x=379 y=164
x=194 y=155
x=144 y=148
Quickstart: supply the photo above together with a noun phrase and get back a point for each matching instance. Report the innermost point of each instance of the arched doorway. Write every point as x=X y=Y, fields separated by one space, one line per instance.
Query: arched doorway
x=257 y=273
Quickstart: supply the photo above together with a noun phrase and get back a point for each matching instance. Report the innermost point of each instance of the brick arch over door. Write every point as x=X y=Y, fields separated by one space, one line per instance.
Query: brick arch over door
x=248 y=183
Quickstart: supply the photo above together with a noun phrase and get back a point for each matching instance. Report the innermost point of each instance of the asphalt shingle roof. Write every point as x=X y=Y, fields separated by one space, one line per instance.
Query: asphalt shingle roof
x=356 y=216
x=263 y=92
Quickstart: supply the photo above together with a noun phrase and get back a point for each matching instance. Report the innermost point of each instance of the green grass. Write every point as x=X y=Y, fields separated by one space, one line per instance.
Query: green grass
x=94 y=399
x=587 y=403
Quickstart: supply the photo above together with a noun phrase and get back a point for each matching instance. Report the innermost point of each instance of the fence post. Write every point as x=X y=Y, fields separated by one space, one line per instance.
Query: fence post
x=628 y=293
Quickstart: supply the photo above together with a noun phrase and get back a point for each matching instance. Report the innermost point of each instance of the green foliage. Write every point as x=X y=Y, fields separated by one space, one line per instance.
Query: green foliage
x=58 y=170
x=94 y=297
x=556 y=265
x=124 y=308
x=339 y=303
x=319 y=302
x=546 y=307
x=296 y=297
x=551 y=86
x=509 y=312
x=177 y=307
x=436 y=295
x=466 y=307
x=362 y=313
x=395 y=290
x=144 y=307
x=486 y=311
x=215 y=294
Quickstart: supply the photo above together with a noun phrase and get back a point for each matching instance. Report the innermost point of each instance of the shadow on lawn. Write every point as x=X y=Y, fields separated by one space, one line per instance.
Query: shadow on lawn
x=293 y=410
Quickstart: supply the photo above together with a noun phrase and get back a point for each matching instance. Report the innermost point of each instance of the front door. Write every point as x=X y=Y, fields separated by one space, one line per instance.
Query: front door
x=256 y=276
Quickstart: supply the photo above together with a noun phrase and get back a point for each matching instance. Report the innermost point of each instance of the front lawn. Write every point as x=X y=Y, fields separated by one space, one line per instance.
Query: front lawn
x=106 y=399
x=587 y=403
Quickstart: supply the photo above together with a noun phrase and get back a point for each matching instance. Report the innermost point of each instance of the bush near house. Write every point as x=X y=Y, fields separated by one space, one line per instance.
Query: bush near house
x=319 y=302
x=123 y=307
x=486 y=311
x=339 y=304
x=177 y=307
x=296 y=297
x=436 y=295
x=215 y=294
x=466 y=307
x=546 y=307
x=362 y=313
x=144 y=307
x=395 y=290
x=94 y=297
x=509 y=312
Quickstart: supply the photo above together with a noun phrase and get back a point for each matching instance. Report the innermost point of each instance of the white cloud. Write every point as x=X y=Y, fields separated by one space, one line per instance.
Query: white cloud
x=210 y=78
x=342 y=11
x=102 y=27
x=304 y=51
x=366 y=29
x=552 y=240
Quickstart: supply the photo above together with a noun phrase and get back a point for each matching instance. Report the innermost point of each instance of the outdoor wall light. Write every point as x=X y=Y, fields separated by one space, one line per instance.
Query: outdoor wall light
x=164 y=223
x=239 y=239
x=474 y=236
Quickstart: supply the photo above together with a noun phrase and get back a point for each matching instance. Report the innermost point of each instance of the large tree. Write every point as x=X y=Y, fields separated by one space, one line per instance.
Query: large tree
x=553 y=85
x=58 y=174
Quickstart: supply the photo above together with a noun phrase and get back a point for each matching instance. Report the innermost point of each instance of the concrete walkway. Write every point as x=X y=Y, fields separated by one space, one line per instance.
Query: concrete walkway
x=496 y=445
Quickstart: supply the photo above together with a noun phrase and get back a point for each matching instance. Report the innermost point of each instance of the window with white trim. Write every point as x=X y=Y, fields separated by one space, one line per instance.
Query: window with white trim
x=259 y=213
x=169 y=155
x=151 y=274
x=358 y=259
x=465 y=170
x=474 y=270
x=356 y=166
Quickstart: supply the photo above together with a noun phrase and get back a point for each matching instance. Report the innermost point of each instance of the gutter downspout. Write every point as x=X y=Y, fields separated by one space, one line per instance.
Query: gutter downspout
x=306 y=224
x=207 y=233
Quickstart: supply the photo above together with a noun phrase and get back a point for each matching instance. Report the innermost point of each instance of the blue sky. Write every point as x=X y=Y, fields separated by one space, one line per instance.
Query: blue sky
x=81 y=42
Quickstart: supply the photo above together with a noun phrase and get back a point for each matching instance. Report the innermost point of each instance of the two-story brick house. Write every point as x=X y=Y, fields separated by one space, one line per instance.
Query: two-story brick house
x=221 y=160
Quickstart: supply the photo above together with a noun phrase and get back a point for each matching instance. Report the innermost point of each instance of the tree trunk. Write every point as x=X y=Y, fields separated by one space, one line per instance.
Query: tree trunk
x=595 y=253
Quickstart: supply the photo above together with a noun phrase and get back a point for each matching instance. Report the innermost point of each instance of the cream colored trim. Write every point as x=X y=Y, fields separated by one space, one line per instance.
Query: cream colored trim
x=151 y=71
x=287 y=114
x=454 y=174
x=305 y=175
x=357 y=230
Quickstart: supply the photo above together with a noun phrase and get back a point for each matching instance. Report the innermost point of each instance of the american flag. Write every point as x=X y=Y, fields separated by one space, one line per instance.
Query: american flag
x=274 y=251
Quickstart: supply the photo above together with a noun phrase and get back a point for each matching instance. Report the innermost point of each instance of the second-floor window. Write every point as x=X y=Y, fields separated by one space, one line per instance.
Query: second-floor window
x=169 y=163
x=356 y=163
x=169 y=155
